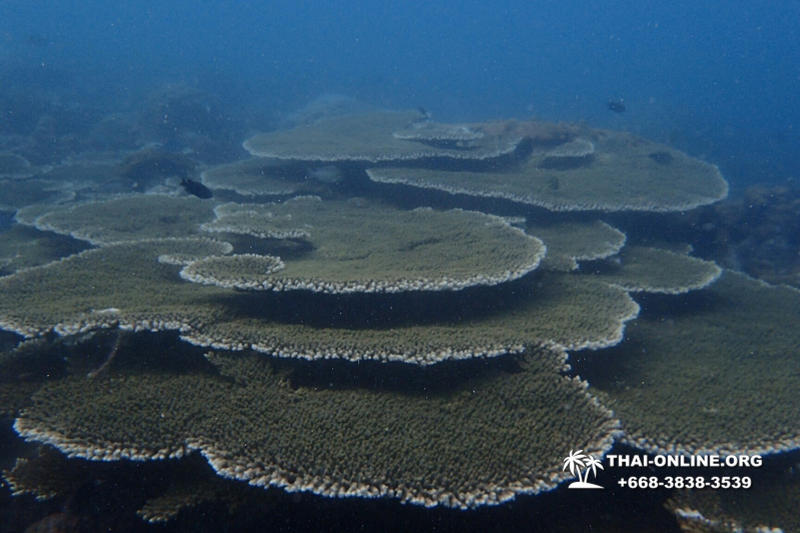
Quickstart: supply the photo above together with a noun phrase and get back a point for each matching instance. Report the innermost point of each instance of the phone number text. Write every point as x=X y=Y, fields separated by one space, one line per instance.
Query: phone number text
x=686 y=482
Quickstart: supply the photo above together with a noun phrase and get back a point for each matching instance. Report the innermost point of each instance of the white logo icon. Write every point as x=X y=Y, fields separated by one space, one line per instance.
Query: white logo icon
x=576 y=462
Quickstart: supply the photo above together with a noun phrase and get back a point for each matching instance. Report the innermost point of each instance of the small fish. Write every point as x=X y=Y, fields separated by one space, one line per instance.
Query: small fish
x=196 y=188
x=617 y=106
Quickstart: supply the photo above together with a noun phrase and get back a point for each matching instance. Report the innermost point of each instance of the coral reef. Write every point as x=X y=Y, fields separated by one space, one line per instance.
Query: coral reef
x=720 y=377
x=603 y=170
x=757 y=232
x=373 y=138
x=261 y=422
x=367 y=343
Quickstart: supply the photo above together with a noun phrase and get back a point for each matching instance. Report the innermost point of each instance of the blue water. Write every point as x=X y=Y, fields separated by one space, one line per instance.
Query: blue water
x=718 y=79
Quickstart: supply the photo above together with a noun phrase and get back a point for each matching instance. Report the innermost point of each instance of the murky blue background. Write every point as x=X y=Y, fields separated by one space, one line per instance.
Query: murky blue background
x=718 y=79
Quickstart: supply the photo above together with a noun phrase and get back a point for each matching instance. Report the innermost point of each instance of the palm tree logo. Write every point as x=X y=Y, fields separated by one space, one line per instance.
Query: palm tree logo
x=576 y=461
